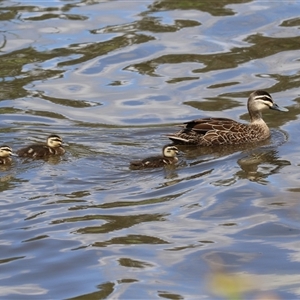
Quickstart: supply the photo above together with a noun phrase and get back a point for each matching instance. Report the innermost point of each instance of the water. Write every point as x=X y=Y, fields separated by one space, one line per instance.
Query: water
x=113 y=78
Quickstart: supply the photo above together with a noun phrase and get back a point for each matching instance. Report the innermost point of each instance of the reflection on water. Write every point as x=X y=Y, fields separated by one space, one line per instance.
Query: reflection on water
x=261 y=165
x=112 y=79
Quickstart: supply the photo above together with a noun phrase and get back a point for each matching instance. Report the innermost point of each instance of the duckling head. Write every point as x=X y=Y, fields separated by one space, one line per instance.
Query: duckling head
x=170 y=151
x=5 y=151
x=54 y=141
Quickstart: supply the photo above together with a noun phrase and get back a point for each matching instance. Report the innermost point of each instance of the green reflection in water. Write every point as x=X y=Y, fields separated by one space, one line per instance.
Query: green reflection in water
x=131 y=239
x=215 y=8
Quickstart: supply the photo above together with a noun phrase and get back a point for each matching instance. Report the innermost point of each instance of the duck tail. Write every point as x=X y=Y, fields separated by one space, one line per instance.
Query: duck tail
x=177 y=139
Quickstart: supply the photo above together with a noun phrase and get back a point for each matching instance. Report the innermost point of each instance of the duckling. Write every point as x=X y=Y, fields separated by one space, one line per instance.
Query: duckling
x=53 y=146
x=5 y=153
x=168 y=158
x=222 y=131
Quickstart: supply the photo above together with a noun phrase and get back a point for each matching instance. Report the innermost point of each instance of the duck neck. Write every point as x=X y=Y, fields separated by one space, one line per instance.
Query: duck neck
x=255 y=116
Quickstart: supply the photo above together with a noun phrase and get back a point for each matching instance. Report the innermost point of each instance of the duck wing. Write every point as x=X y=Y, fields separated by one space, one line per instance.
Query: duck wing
x=211 y=131
x=202 y=126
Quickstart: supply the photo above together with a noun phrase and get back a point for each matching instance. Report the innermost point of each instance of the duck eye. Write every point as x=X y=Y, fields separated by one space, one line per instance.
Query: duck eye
x=267 y=99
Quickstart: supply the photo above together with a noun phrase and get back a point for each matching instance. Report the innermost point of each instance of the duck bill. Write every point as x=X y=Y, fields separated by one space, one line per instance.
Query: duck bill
x=279 y=108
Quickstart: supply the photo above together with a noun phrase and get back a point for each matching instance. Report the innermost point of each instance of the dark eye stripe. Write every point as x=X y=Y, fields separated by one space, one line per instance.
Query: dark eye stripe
x=265 y=98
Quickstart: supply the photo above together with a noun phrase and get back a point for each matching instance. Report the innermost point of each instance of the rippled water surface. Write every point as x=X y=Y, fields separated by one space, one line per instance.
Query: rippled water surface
x=113 y=78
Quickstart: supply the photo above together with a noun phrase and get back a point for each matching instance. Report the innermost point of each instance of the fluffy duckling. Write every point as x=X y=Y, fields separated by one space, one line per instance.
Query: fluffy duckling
x=53 y=146
x=5 y=153
x=168 y=158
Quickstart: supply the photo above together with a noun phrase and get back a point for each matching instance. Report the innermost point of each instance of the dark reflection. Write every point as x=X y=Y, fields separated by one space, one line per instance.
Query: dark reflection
x=5 y=168
x=259 y=47
x=105 y=289
x=215 y=8
x=47 y=114
x=169 y=295
x=258 y=161
x=68 y=102
x=213 y=104
x=180 y=79
x=48 y=16
x=228 y=224
x=153 y=24
x=131 y=239
x=291 y=23
x=113 y=223
x=131 y=263
x=220 y=85
x=279 y=204
x=9 y=181
x=127 y=280
x=94 y=50
x=9 y=14
x=209 y=153
x=76 y=194
x=35 y=215
x=170 y=172
x=147 y=23
x=40 y=237
x=259 y=165
x=10 y=259
x=196 y=245
x=134 y=201
x=13 y=78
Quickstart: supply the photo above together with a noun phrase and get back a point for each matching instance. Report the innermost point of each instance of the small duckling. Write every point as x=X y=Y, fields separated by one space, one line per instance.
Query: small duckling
x=168 y=158
x=5 y=153
x=53 y=146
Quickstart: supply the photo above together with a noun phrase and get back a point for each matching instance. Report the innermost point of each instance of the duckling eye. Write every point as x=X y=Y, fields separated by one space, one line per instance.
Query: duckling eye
x=56 y=140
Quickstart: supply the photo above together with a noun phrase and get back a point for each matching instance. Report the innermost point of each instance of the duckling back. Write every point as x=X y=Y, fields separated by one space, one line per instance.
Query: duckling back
x=39 y=151
x=152 y=162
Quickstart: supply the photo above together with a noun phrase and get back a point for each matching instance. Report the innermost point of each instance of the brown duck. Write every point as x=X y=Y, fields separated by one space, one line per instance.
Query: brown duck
x=168 y=158
x=222 y=131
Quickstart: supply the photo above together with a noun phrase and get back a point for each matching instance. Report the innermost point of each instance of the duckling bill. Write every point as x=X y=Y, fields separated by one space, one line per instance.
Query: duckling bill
x=222 y=131
x=5 y=153
x=53 y=146
x=168 y=158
